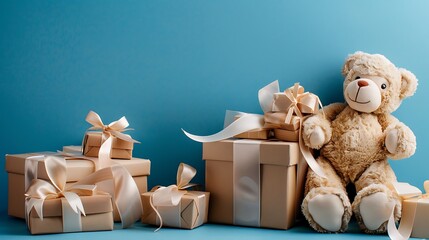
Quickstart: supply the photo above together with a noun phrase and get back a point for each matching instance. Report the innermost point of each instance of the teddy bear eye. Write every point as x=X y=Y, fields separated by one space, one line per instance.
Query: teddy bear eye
x=383 y=86
x=357 y=78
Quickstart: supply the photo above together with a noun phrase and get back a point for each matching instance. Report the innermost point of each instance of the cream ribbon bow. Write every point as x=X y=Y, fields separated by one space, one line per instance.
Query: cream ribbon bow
x=41 y=190
x=171 y=195
x=407 y=221
x=295 y=100
x=248 y=122
x=115 y=129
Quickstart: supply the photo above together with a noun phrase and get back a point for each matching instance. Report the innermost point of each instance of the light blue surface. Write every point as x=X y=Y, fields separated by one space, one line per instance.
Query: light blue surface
x=168 y=65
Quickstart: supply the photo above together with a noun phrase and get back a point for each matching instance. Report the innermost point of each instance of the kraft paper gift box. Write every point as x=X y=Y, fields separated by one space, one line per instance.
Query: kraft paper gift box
x=120 y=149
x=191 y=212
x=254 y=183
x=76 y=169
x=415 y=211
x=98 y=209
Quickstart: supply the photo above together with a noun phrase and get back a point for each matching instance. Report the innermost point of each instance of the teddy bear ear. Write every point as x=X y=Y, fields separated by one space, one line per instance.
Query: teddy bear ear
x=408 y=83
x=350 y=61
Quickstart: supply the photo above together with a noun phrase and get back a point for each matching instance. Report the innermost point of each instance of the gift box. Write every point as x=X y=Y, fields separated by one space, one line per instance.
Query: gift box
x=76 y=170
x=116 y=143
x=98 y=209
x=175 y=206
x=121 y=149
x=191 y=212
x=415 y=212
x=254 y=183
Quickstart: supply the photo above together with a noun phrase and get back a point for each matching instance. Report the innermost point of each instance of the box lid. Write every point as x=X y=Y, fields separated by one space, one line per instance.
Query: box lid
x=76 y=168
x=92 y=204
x=93 y=139
x=271 y=151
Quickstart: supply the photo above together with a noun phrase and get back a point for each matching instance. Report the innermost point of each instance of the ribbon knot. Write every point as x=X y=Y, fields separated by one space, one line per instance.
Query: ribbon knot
x=171 y=195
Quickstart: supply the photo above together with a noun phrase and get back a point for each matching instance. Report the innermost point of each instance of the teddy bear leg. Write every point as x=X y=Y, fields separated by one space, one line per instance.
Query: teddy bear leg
x=374 y=200
x=326 y=205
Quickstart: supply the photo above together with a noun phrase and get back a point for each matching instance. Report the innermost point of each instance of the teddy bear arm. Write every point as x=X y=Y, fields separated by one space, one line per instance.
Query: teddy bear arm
x=332 y=110
x=317 y=128
x=400 y=140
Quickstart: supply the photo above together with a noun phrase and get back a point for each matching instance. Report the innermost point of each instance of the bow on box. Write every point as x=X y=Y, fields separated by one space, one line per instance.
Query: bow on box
x=41 y=190
x=126 y=197
x=114 y=129
x=292 y=100
x=171 y=195
x=411 y=197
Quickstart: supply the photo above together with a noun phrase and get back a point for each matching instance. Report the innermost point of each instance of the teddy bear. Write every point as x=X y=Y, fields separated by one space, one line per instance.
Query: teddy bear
x=354 y=141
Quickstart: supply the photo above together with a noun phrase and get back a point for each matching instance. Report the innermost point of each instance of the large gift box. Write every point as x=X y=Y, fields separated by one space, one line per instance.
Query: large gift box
x=138 y=168
x=254 y=183
x=174 y=206
x=98 y=209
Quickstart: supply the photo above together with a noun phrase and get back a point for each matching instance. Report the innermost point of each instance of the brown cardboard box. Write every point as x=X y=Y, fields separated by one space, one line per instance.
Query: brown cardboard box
x=281 y=170
x=421 y=224
x=277 y=120
x=76 y=170
x=286 y=135
x=255 y=134
x=120 y=149
x=98 y=209
x=193 y=209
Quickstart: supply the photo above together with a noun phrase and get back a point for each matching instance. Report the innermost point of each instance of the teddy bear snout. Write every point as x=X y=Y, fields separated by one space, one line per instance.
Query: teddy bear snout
x=362 y=83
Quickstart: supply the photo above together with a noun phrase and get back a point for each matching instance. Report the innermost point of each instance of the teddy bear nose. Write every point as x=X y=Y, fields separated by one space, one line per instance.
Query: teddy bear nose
x=362 y=83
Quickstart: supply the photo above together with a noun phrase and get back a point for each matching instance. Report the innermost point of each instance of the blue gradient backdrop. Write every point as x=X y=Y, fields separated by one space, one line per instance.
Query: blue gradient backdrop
x=167 y=65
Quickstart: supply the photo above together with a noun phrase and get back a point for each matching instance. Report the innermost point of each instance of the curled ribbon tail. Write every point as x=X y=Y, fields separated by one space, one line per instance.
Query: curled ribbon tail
x=243 y=124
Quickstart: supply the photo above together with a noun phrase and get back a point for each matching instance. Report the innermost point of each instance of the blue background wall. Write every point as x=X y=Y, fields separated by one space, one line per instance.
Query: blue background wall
x=172 y=64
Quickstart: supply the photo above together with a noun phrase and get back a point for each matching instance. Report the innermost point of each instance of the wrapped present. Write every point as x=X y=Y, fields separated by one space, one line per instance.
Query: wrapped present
x=415 y=212
x=173 y=206
x=77 y=166
x=53 y=207
x=288 y=110
x=254 y=183
x=259 y=133
x=109 y=139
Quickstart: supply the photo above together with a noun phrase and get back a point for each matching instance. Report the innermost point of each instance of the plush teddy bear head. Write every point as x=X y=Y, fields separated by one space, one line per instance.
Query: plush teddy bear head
x=373 y=84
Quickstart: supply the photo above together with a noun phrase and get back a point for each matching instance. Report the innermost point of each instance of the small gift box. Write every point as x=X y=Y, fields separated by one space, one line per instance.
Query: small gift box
x=116 y=143
x=120 y=149
x=76 y=167
x=415 y=212
x=254 y=183
x=52 y=207
x=288 y=110
x=173 y=206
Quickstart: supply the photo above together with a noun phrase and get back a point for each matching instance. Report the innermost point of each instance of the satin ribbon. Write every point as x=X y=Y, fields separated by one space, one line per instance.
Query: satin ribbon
x=126 y=194
x=299 y=102
x=407 y=221
x=247 y=183
x=170 y=196
x=114 y=129
x=41 y=190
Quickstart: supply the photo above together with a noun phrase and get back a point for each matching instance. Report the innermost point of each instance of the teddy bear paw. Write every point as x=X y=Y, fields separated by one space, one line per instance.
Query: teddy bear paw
x=392 y=141
x=400 y=142
x=327 y=210
x=317 y=137
x=375 y=210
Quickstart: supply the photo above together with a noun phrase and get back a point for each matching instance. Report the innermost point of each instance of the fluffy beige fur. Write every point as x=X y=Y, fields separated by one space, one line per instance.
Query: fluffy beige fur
x=354 y=151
